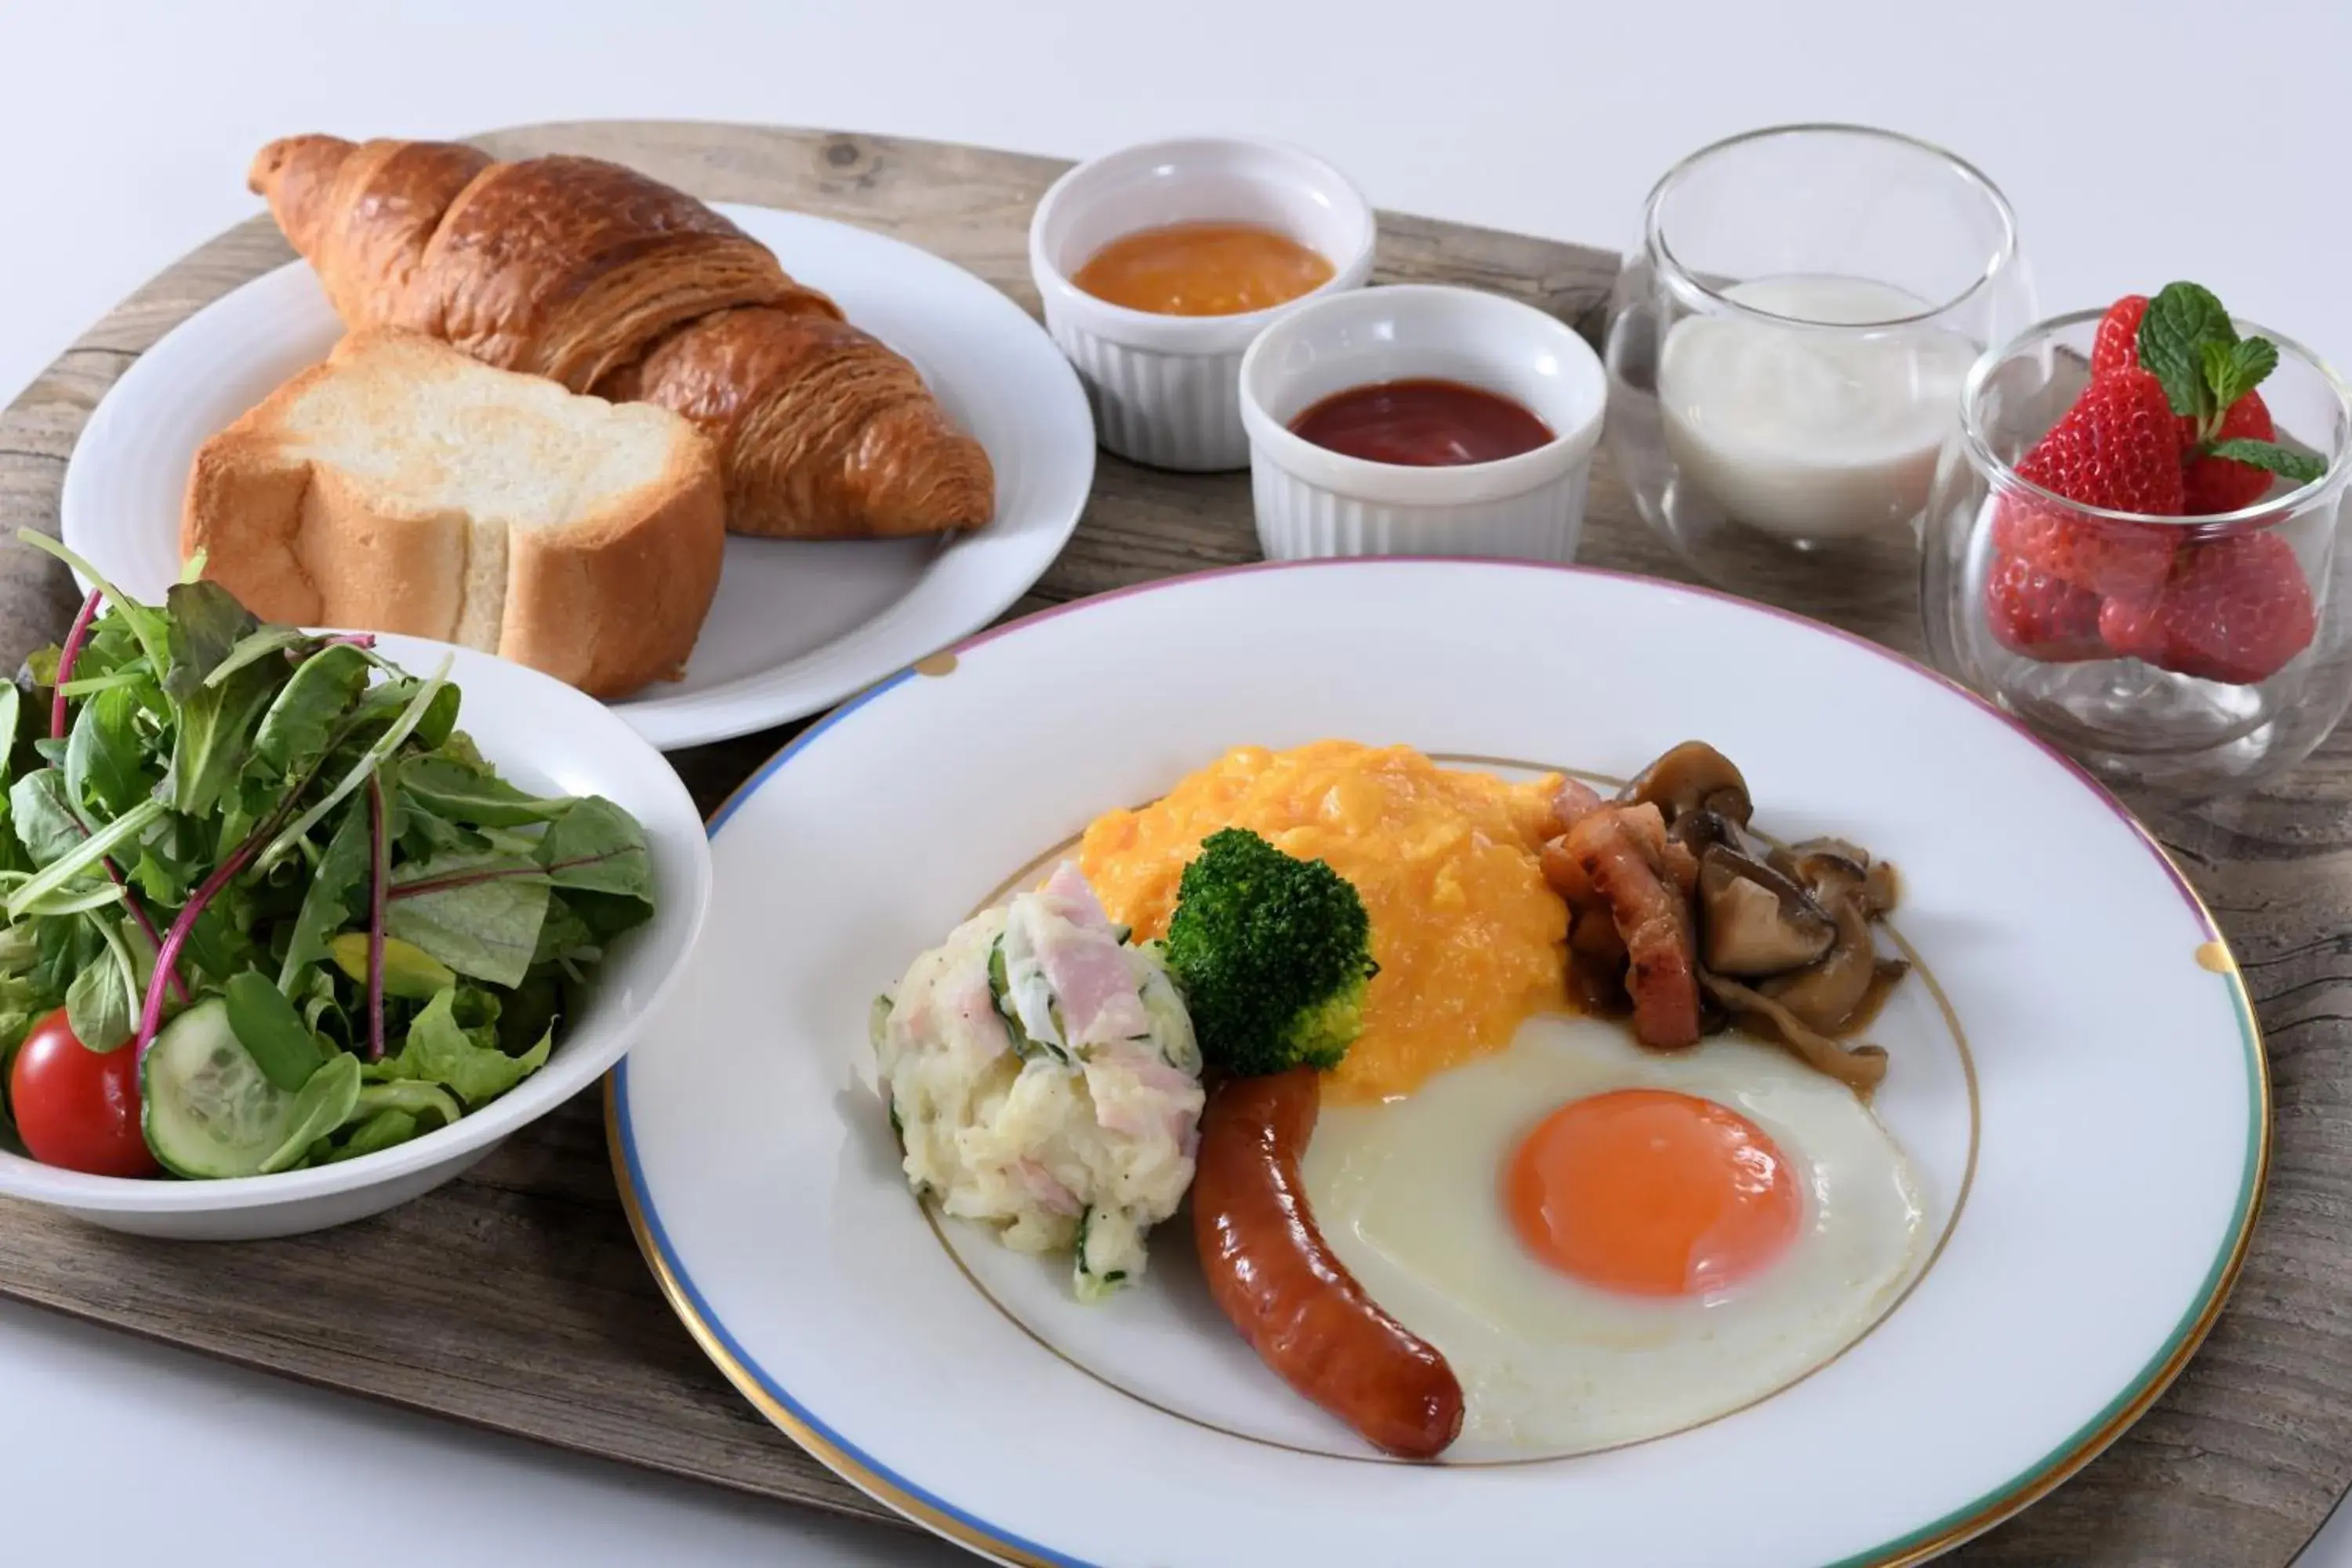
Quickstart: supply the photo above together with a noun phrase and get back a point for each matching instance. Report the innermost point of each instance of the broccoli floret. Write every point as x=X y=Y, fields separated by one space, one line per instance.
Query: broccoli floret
x=1272 y=954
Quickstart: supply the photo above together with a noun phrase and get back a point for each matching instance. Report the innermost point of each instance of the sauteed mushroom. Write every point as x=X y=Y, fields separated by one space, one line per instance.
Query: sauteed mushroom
x=1857 y=1066
x=1672 y=897
x=1693 y=776
x=1756 y=922
x=1824 y=994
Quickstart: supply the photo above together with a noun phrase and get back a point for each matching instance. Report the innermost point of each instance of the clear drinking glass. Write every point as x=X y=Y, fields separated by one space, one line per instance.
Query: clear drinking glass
x=2242 y=656
x=1785 y=348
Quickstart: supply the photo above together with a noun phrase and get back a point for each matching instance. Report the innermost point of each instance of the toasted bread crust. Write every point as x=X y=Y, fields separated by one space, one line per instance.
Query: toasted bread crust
x=608 y=600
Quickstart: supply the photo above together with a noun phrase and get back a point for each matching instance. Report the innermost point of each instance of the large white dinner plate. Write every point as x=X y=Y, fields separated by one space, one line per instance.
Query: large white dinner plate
x=796 y=625
x=2075 y=1075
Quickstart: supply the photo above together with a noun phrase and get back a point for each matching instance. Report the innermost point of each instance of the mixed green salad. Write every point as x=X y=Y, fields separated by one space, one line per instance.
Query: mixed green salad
x=263 y=905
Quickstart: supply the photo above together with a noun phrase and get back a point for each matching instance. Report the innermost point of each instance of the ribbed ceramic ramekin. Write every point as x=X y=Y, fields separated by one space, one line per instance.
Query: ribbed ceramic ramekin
x=1165 y=389
x=1312 y=502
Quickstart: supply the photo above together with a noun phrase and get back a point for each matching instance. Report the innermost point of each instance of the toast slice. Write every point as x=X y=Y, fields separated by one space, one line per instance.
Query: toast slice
x=403 y=487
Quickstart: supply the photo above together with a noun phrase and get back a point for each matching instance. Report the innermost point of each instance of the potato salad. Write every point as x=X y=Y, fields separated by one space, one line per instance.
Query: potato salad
x=1043 y=1078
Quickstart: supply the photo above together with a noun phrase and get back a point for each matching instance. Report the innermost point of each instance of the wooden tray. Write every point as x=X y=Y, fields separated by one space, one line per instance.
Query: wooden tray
x=514 y=1299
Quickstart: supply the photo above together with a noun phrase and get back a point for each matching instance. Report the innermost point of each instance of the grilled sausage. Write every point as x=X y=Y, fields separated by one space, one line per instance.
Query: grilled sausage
x=1284 y=1288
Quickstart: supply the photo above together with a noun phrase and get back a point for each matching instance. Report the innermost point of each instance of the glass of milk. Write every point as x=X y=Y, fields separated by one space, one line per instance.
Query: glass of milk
x=1786 y=349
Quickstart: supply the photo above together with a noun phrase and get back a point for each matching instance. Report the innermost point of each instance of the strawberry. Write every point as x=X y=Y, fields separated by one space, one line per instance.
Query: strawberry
x=2210 y=484
x=2118 y=448
x=2041 y=617
x=2235 y=610
x=2117 y=346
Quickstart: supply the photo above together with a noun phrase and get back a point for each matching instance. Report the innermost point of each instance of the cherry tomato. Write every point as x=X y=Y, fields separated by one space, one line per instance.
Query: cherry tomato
x=75 y=1108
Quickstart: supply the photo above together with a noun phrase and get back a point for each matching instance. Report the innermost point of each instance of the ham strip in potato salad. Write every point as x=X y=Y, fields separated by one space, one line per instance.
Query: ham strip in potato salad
x=1043 y=1078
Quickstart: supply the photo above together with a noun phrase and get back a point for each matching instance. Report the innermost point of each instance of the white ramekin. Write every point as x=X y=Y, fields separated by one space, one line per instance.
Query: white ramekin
x=1164 y=388
x=1312 y=502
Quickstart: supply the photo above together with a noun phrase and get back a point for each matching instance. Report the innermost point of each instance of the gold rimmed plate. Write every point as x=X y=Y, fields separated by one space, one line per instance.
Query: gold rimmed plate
x=2079 y=1090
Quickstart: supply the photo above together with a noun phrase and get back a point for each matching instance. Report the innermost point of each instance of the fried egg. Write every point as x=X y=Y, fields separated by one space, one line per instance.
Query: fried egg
x=1609 y=1243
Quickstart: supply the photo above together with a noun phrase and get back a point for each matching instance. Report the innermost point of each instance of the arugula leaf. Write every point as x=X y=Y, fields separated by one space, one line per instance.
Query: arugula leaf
x=220 y=943
x=255 y=647
x=326 y=1101
x=471 y=793
x=2180 y=319
x=148 y=625
x=209 y=749
x=300 y=723
x=385 y=1129
x=378 y=753
x=338 y=883
x=485 y=922
x=43 y=816
x=271 y=1031
x=85 y=856
x=101 y=1002
x=24 y=999
x=105 y=763
x=323 y=1009
x=81 y=900
x=439 y=1051
x=2271 y=457
x=66 y=948
x=205 y=623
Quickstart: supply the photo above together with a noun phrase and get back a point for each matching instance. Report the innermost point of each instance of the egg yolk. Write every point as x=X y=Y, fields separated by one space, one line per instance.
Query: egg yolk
x=1651 y=1192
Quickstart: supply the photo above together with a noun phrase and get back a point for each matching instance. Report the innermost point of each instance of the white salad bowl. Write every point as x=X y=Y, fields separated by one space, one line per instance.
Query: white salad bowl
x=549 y=739
x=1164 y=388
x=1314 y=502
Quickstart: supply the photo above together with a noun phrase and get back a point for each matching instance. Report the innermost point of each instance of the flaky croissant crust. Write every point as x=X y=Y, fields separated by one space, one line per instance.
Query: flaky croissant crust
x=612 y=282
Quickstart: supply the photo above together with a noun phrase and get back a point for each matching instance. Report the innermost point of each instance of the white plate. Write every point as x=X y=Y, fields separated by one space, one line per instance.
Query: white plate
x=797 y=624
x=549 y=740
x=2090 y=1121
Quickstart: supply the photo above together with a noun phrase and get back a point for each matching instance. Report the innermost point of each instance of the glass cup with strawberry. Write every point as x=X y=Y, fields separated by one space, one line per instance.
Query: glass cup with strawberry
x=2132 y=543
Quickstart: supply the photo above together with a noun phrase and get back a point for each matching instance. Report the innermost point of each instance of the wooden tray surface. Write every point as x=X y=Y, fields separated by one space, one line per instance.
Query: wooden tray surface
x=514 y=1299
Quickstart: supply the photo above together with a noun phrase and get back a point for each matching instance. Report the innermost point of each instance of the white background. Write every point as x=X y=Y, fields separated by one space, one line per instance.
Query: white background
x=2139 y=141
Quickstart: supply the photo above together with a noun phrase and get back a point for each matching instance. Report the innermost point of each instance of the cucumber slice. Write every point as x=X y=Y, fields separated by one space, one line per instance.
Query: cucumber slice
x=206 y=1108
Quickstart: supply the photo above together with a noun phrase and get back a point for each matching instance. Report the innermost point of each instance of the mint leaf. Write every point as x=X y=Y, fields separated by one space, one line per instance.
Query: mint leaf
x=2232 y=369
x=2180 y=319
x=2271 y=457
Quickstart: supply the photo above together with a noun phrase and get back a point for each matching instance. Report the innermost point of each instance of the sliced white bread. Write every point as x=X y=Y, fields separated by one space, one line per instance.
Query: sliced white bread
x=402 y=487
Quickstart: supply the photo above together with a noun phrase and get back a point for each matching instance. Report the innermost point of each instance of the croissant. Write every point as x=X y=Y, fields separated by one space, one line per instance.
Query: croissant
x=614 y=284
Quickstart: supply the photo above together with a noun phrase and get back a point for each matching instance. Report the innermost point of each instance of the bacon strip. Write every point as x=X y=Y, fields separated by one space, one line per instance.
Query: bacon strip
x=1623 y=854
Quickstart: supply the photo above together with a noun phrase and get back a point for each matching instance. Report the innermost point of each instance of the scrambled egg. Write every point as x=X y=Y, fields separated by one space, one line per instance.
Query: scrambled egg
x=1469 y=938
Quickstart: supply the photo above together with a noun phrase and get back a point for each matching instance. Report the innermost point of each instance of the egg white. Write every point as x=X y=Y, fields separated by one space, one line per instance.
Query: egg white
x=1409 y=1195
